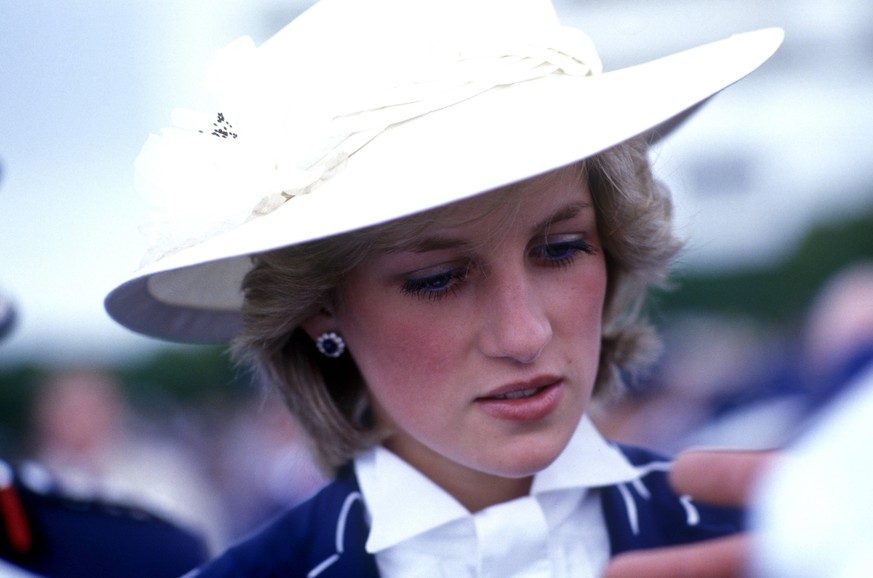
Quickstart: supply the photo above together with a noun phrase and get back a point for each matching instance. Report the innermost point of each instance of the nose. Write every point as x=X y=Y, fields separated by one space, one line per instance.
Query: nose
x=515 y=324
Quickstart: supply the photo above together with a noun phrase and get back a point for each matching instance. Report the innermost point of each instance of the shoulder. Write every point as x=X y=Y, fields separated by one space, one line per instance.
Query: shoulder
x=323 y=536
x=47 y=531
x=647 y=512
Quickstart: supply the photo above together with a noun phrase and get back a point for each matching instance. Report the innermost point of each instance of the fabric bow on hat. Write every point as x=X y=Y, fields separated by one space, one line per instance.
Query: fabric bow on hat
x=212 y=172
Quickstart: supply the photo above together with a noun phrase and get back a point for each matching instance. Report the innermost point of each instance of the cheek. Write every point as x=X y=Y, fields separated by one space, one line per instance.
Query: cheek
x=398 y=354
x=580 y=318
x=406 y=374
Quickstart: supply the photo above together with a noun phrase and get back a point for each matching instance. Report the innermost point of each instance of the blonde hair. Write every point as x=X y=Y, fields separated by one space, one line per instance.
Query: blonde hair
x=328 y=396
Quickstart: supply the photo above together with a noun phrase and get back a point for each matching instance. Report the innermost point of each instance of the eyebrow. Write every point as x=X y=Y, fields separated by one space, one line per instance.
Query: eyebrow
x=439 y=243
x=433 y=243
x=563 y=214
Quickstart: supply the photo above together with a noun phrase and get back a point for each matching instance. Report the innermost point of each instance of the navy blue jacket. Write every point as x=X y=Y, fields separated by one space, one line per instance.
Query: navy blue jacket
x=325 y=536
x=54 y=535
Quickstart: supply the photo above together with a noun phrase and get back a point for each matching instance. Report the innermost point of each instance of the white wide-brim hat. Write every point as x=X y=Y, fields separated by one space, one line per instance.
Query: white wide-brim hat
x=359 y=112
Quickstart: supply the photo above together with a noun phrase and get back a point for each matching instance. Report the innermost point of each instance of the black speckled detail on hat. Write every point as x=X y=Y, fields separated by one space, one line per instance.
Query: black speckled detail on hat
x=222 y=128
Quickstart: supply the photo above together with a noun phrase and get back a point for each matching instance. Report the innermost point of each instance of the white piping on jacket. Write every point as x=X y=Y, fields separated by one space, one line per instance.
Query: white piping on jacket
x=641 y=488
x=340 y=534
x=631 y=507
x=692 y=516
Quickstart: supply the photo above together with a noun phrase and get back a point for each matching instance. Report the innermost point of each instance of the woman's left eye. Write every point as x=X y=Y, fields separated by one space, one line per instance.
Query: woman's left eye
x=562 y=252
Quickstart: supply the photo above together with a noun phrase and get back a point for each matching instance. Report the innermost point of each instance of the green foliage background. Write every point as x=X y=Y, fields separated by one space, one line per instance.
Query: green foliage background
x=780 y=293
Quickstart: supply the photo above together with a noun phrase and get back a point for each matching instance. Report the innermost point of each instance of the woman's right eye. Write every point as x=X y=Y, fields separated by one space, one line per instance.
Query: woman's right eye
x=434 y=286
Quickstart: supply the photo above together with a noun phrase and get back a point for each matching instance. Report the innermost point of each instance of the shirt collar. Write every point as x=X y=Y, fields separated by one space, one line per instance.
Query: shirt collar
x=401 y=501
x=393 y=489
x=588 y=461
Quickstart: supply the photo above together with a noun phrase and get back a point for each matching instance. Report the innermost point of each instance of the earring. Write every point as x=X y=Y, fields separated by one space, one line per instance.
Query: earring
x=330 y=344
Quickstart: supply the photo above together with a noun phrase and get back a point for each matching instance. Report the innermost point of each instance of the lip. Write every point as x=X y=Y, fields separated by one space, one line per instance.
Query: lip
x=523 y=401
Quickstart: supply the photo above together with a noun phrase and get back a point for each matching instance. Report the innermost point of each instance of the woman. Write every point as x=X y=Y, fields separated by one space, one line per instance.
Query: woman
x=431 y=225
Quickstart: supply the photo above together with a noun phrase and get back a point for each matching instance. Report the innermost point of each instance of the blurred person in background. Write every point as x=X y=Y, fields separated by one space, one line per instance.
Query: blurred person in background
x=837 y=341
x=810 y=506
x=798 y=372
x=265 y=465
x=90 y=441
x=708 y=361
x=7 y=316
x=732 y=382
x=47 y=533
x=829 y=470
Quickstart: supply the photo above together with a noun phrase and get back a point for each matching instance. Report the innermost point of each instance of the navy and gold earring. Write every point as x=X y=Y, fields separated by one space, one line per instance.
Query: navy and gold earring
x=330 y=344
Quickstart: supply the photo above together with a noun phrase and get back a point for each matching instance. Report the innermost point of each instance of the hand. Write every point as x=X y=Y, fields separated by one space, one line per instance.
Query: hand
x=717 y=477
x=720 y=478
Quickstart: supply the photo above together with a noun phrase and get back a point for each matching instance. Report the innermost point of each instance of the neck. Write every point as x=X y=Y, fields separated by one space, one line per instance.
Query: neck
x=474 y=489
x=476 y=495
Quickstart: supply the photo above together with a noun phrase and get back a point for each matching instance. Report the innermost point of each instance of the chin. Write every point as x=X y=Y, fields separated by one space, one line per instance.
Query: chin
x=528 y=461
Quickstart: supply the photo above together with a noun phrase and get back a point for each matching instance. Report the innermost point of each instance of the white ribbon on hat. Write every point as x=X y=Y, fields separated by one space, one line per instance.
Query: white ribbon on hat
x=206 y=177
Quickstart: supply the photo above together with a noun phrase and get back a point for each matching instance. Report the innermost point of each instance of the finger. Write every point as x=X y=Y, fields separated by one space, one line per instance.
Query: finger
x=720 y=478
x=717 y=558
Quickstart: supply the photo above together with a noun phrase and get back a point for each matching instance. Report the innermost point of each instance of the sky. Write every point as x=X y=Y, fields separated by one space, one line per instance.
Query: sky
x=83 y=83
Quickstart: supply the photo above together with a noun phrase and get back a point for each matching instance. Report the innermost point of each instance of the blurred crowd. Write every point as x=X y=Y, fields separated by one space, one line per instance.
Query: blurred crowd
x=223 y=469
x=739 y=383
x=218 y=472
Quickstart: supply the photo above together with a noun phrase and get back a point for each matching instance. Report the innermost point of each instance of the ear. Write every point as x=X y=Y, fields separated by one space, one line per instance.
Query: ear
x=321 y=322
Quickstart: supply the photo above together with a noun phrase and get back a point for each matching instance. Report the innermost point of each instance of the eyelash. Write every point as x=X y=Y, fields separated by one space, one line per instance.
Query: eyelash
x=426 y=287
x=569 y=251
x=444 y=284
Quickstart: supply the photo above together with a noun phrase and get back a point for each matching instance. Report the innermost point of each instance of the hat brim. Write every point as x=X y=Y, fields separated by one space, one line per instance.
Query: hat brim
x=502 y=136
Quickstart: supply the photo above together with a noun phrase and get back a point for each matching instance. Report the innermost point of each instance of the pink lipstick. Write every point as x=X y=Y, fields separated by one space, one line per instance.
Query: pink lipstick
x=528 y=401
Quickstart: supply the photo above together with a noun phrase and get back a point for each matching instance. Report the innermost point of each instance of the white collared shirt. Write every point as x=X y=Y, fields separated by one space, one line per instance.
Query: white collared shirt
x=417 y=529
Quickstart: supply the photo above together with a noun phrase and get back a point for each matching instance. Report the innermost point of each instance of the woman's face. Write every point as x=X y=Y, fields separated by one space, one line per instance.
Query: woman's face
x=479 y=339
